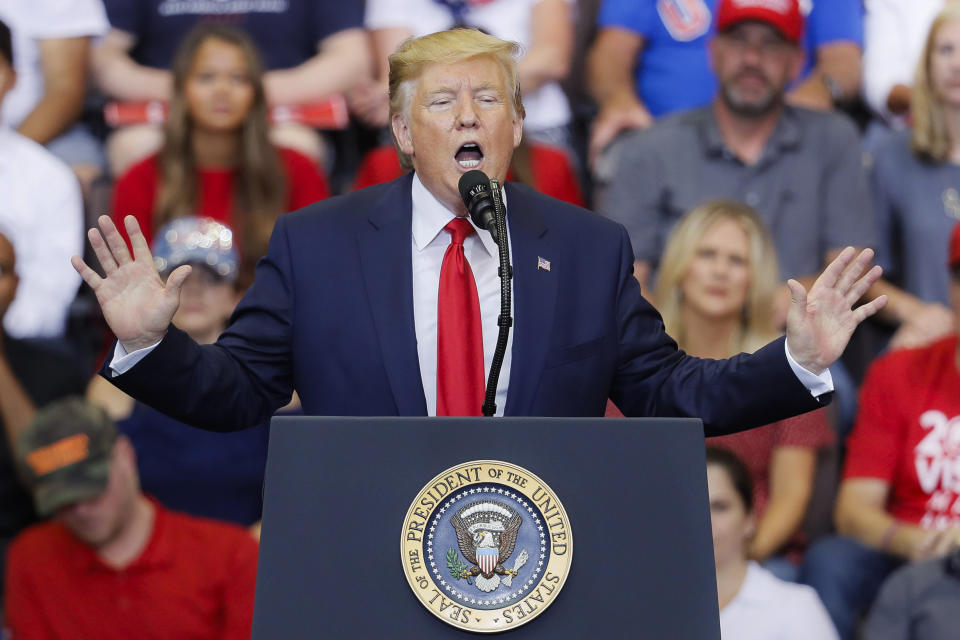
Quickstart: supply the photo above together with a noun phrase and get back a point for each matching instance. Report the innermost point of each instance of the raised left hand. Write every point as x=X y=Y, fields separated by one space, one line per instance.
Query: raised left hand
x=821 y=321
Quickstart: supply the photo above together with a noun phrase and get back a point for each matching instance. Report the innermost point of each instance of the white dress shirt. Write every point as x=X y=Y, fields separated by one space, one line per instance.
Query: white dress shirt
x=430 y=242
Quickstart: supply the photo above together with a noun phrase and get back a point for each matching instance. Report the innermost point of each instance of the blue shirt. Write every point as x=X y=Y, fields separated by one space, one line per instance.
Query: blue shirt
x=286 y=31
x=674 y=73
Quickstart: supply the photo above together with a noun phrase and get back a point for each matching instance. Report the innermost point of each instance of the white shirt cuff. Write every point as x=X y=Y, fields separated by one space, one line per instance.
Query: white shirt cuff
x=123 y=361
x=817 y=385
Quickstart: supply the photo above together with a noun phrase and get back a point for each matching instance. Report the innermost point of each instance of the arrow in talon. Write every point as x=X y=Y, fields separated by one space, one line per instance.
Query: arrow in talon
x=519 y=562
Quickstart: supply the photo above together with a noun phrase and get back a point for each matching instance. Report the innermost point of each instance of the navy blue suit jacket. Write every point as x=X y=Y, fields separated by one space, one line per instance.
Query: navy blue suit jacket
x=331 y=314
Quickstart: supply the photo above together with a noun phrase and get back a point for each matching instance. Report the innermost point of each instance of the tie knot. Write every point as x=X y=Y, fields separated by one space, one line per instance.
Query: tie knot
x=459 y=229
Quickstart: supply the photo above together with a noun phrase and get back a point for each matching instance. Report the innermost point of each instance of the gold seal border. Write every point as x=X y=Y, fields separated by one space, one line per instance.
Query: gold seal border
x=416 y=567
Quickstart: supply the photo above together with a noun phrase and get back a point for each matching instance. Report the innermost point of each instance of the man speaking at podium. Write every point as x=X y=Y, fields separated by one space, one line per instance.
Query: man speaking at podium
x=385 y=302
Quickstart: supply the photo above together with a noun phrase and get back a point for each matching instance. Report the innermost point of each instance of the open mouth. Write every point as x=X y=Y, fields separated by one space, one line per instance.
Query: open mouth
x=469 y=155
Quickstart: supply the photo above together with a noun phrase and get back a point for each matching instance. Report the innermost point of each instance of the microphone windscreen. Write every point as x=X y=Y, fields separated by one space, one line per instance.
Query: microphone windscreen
x=471 y=183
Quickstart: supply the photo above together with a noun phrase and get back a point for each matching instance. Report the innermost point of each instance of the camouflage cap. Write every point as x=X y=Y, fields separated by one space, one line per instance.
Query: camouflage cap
x=64 y=454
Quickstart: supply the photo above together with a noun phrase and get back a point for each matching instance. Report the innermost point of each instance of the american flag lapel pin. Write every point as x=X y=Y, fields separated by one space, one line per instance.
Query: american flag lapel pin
x=543 y=263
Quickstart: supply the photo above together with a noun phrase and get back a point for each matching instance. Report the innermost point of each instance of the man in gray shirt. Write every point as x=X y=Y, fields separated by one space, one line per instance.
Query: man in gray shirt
x=800 y=169
x=806 y=182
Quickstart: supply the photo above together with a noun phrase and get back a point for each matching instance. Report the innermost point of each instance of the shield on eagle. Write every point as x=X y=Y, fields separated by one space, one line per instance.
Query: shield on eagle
x=487 y=559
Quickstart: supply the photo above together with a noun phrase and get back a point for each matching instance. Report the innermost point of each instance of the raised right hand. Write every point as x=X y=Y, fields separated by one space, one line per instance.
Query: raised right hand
x=136 y=303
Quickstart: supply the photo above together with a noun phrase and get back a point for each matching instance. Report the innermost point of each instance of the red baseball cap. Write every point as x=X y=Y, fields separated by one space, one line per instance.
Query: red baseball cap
x=783 y=15
x=955 y=247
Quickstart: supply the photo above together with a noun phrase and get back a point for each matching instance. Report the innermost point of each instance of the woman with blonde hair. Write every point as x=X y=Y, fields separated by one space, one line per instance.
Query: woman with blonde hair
x=715 y=290
x=916 y=178
x=217 y=160
x=752 y=326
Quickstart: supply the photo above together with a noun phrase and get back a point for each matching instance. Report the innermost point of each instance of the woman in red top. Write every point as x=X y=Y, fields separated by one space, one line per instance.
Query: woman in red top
x=217 y=159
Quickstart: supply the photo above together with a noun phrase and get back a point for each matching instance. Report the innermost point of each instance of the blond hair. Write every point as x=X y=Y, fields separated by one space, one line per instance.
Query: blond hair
x=447 y=47
x=757 y=318
x=931 y=138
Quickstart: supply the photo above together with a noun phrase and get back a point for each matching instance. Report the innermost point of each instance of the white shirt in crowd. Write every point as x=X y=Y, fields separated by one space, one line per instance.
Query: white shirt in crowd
x=546 y=108
x=41 y=213
x=894 y=34
x=31 y=21
x=767 y=608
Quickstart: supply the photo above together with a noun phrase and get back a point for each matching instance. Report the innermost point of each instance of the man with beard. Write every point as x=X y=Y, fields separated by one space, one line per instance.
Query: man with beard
x=800 y=169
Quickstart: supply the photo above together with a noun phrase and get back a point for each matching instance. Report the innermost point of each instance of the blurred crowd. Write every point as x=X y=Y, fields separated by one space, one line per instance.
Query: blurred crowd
x=741 y=143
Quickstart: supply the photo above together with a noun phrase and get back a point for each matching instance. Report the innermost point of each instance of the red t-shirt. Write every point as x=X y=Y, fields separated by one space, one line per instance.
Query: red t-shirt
x=908 y=433
x=135 y=193
x=755 y=447
x=194 y=579
x=552 y=172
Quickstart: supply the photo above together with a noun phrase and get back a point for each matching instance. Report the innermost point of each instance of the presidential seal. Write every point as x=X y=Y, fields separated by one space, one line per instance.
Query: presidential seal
x=486 y=546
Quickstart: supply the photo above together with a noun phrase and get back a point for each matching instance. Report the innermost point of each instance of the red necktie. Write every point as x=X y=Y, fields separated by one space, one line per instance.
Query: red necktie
x=460 y=387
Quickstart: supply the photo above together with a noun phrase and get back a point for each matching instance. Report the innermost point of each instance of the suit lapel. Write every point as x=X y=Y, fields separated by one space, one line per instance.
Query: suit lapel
x=385 y=252
x=534 y=297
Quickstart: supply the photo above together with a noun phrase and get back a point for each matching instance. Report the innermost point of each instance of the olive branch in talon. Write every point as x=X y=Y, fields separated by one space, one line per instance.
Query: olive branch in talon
x=458 y=569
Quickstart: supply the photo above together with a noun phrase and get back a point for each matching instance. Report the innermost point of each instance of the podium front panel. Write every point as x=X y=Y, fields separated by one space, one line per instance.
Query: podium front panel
x=338 y=489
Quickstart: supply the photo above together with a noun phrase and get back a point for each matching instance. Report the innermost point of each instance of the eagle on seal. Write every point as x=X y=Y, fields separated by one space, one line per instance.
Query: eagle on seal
x=487 y=534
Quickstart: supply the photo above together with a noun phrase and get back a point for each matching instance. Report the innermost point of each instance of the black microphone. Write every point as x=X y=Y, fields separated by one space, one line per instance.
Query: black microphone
x=475 y=190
